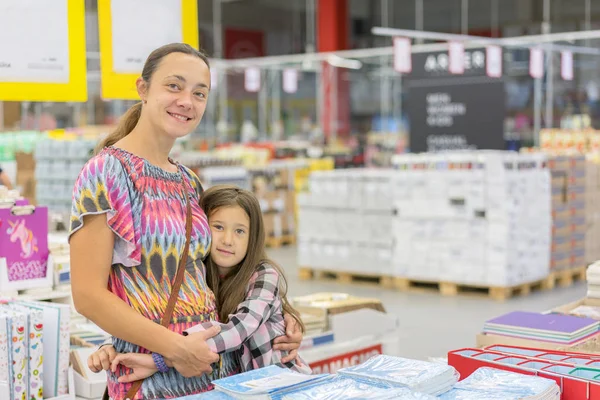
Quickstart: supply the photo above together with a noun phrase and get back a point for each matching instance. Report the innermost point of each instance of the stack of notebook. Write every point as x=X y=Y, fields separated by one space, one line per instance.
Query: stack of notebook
x=265 y=383
x=553 y=328
x=418 y=376
x=34 y=350
x=341 y=387
x=282 y=384
x=491 y=384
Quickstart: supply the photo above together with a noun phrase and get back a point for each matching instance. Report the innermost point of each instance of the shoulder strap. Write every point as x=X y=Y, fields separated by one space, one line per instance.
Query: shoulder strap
x=168 y=315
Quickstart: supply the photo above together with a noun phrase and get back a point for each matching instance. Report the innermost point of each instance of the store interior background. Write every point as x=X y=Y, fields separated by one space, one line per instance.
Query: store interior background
x=259 y=28
x=369 y=122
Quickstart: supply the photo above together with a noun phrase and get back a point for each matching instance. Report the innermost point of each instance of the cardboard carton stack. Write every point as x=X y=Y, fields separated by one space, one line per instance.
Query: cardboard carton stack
x=479 y=218
x=592 y=209
x=274 y=187
x=476 y=218
x=344 y=222
x=568 y=211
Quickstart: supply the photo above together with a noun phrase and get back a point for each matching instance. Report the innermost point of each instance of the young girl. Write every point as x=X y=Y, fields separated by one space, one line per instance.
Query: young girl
x=249 y=288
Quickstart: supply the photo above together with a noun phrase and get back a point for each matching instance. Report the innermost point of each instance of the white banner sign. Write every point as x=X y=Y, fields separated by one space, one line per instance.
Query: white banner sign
x=290 y=80
x=140 y=26
x=536 y=63
x=34 y=41
x=456 y=55
x=566 y=65
x=494 y=61
x=402 y=55
x=252 y=79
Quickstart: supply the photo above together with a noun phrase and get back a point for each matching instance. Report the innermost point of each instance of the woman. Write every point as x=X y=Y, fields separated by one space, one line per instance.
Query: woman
x=128 y=232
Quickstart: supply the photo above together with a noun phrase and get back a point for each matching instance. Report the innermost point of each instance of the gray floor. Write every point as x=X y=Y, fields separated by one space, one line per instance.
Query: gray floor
x=431 y=325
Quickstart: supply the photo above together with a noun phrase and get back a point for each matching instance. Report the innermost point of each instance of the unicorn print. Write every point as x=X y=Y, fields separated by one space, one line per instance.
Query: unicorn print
x=18 y=231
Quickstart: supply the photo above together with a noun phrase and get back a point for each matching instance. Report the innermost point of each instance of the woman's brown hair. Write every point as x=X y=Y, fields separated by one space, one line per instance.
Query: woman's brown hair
x=130 y=119
x=230 y=291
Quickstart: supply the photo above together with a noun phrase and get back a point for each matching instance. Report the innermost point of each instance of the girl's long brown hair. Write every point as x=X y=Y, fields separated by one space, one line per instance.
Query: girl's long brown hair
x=130 y=119
x=230 y=291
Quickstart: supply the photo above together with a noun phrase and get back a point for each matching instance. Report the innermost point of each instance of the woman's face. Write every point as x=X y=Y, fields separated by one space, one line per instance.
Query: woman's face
x=177 y=95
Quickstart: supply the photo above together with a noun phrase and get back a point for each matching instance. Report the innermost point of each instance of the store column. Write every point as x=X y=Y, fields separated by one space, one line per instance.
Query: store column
x=332 y=35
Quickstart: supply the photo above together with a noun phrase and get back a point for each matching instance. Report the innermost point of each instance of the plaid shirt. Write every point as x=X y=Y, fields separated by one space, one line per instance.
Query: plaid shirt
x=257 y=322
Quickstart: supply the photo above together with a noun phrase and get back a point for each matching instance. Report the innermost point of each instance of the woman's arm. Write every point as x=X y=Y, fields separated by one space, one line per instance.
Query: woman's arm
x=253 y=312
x=91 y=260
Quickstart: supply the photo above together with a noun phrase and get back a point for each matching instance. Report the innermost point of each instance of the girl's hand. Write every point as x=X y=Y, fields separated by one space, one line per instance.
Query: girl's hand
x=291 y=341
x=142 y=364
x=101 y=359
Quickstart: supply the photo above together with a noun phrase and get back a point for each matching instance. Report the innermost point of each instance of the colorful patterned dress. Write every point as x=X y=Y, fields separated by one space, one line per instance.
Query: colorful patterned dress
x=145 y=208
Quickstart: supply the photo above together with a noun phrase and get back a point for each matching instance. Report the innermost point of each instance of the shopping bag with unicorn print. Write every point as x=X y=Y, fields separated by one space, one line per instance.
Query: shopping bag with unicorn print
x=24 y=248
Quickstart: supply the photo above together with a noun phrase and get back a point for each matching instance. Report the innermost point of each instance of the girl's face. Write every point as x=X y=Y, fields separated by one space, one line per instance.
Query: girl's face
x=230 y=228
x=177 y=96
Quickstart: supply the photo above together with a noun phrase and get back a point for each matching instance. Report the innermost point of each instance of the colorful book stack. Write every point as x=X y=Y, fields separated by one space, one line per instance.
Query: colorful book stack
x=34 y=350
x=490 y=384
x=553 y=328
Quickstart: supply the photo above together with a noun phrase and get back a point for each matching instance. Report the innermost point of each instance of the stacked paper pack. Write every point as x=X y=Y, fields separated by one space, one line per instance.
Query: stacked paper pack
x=493 y=384
x=593 y=280
x=418 y=376
x=552 y=328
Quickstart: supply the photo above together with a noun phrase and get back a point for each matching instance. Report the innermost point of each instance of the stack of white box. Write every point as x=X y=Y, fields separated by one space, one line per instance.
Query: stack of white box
x=345 y=224
x=477 y=218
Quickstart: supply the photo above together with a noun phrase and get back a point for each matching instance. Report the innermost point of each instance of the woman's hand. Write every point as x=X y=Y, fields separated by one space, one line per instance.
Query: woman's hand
x=101 y=359
x=192 y=356
x=291 y=341
x=142 y=365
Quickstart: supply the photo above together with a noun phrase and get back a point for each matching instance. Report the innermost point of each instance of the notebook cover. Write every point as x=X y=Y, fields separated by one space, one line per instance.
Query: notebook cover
x=543 y=322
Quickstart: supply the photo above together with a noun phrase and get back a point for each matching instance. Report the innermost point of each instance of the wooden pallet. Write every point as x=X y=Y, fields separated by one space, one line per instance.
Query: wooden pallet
x=277 y=242
x=497 y=293
x=568 y=277
x=306 y=273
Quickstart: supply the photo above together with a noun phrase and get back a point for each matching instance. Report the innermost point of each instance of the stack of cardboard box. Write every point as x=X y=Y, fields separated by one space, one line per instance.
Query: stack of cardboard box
x=473 y=218
x=345 y=222
x=568 y=211
x=592 y=210
x=274 y=187
x=478 y=218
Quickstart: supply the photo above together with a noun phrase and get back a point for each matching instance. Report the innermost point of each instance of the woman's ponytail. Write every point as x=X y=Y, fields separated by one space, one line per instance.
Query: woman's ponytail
x=128 y=121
